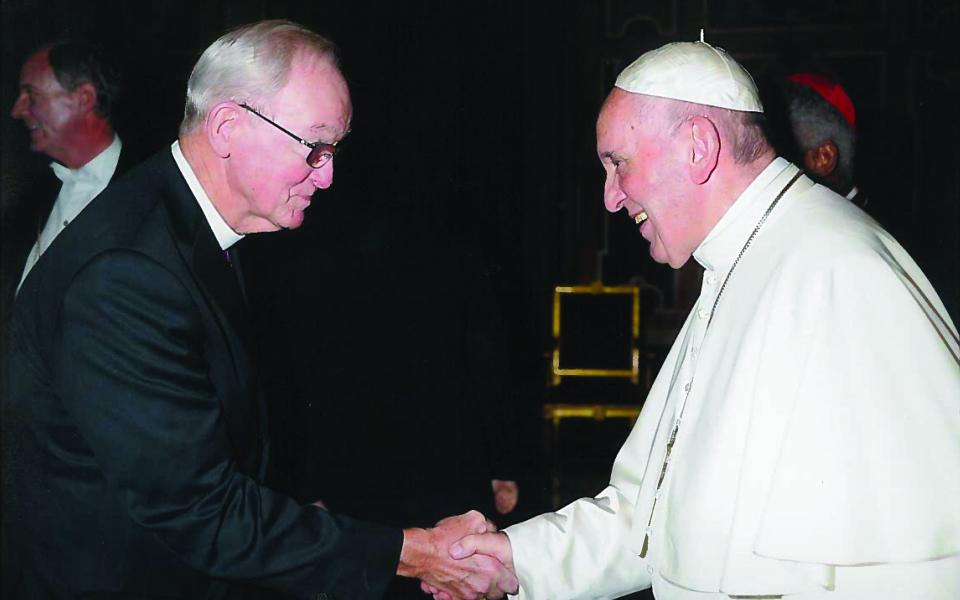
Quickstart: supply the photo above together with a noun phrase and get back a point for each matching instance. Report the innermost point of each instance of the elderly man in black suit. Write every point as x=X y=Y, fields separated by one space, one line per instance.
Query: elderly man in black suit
x=139 y=433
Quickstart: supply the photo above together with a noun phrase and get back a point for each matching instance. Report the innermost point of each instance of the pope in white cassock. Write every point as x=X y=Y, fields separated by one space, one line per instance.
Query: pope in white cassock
x=802 y=439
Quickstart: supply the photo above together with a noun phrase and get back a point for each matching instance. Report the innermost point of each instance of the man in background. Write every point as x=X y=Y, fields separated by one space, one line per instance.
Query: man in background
x=68 y=92
x=796 y=440
x=823 y=122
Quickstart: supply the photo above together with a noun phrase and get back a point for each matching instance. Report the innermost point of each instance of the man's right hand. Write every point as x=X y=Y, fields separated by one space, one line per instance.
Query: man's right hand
x=426 y=554
x=491 y=544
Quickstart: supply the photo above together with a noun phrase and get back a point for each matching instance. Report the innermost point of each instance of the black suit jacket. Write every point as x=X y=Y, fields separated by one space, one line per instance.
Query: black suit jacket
x=138 y=428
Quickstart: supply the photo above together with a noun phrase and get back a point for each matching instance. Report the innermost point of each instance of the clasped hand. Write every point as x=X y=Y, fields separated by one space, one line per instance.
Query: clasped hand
x=473 y=560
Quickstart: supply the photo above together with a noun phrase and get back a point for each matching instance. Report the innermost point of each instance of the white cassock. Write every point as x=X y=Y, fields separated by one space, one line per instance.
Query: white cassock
x=818 y=454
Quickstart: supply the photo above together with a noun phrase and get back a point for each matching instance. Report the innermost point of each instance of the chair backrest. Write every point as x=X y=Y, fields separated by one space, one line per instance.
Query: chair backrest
x=595 y=331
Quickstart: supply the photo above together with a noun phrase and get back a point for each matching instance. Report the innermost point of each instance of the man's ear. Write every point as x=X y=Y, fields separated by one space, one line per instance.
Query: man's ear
x=822 y=160
x=85 y=97
x=704 y=149
x=221 y=126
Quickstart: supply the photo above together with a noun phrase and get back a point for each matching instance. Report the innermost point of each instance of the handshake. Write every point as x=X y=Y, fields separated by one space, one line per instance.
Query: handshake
x=462 y=557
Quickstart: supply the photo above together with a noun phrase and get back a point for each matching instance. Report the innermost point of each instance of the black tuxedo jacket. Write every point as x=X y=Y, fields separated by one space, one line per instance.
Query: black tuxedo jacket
x=22 y=226
x=139 y=440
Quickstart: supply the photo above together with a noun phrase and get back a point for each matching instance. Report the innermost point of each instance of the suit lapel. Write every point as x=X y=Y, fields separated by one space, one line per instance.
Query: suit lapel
x=210 y=267
x=130 y=156
x=20 y=229
x=218 y=280
x=220 y=287
x=237 y=268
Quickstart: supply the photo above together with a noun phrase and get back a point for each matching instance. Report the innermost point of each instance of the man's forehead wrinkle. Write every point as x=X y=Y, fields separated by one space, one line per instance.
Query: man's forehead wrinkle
x=333 y=126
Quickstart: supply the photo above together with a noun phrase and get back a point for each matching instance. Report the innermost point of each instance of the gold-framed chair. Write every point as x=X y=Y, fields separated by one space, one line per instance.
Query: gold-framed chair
x=595 y=362
x=613 y=351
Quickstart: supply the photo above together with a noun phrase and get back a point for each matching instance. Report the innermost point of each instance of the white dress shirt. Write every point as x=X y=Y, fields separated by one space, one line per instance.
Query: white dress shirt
x=80 y=186
x=819 y=446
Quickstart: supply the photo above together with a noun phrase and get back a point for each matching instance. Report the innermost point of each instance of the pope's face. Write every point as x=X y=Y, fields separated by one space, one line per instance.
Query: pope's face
x=268 y=168
x=643 y=161
x=47 y=110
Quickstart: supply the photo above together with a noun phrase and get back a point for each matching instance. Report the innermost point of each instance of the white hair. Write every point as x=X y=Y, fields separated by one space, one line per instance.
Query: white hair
x=250 y=61
x=742 y=130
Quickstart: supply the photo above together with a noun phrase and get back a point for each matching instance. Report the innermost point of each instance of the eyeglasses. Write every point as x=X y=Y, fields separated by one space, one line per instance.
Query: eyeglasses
x=320 y=152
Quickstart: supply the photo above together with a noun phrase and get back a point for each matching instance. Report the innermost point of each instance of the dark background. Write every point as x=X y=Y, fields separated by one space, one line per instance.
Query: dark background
x=481 y=115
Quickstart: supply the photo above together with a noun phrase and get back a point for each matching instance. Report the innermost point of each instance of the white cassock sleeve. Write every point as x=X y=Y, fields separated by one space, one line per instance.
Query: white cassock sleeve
x=581 y=550
x=586 y=549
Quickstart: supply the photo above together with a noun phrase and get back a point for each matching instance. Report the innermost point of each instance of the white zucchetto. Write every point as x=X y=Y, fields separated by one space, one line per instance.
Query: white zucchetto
x=693 y=72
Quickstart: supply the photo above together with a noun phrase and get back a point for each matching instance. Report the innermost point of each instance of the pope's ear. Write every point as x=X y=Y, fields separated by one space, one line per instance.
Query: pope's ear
x=221 y=127
x=704 y=138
